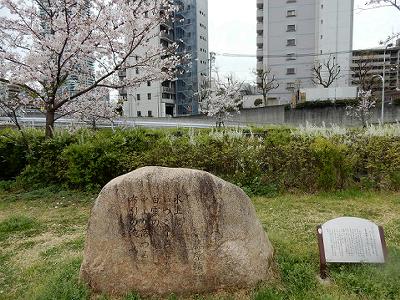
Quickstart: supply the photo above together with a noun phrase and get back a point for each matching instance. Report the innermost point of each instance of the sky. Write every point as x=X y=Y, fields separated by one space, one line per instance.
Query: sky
x=232 y=29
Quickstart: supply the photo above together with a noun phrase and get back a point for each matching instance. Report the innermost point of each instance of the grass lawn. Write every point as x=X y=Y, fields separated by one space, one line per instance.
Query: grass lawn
x=42 y=238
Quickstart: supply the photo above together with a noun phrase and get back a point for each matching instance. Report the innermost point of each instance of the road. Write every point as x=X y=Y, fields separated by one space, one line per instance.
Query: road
x=147 y=123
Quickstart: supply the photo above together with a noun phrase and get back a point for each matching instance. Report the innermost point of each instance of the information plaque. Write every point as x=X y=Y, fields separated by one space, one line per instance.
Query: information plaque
x=350 y=240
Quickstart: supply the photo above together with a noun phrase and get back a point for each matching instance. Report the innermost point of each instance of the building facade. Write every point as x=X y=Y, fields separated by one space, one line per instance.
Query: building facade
x=292 y=36
x=178 y=97
x=368 y=63
x=83 y=74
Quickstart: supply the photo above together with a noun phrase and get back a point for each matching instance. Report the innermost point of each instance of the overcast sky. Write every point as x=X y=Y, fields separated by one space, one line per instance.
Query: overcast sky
x=232 y=29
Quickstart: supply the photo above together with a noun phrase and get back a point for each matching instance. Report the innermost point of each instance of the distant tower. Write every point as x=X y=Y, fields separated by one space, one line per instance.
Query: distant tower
x=292 y=35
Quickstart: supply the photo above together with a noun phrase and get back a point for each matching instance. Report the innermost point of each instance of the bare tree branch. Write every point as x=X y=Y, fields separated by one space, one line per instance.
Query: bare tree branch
x=327 y=73
x=266 y=82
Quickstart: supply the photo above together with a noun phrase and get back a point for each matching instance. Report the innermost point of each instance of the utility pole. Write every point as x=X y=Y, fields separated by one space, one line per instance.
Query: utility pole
x=398 y=70
x=211 y=63
x=383 y=83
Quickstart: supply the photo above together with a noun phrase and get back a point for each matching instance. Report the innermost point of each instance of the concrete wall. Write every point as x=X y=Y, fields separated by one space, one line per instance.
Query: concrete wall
x=263 y=115
x=320 y=93
x=328 y=115
x=248 y=101
x=279 y=115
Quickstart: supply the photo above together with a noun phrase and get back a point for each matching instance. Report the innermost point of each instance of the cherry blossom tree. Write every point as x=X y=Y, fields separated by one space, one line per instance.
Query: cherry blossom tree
x=223 y=99
x=9 y=106
x=362 y=109
x=93 y=108
x=394 y=3
x=59 y=52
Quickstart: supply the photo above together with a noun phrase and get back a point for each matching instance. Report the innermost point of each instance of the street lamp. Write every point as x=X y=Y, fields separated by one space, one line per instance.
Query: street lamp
x=383 y=81
x=383 y=87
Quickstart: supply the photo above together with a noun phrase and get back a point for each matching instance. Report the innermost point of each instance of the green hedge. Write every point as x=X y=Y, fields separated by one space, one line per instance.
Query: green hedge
x=327 y=103
x=263 y=163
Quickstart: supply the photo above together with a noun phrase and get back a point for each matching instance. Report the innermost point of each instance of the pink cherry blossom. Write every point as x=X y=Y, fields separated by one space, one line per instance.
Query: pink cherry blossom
x=47 y=47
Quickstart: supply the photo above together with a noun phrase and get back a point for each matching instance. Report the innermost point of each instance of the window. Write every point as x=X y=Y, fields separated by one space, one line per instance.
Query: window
x=138 y=97
x=290 y=86
x=322 y=21
x=139 y=113
x=291 y=28
x=149 y=113
x=290 y=1
x=291 y=56
x=137 y=70
x=322 y=36
x=149 y=96
x=148 y=83
x=291 y=42
x=291 y=13
x=290 y=71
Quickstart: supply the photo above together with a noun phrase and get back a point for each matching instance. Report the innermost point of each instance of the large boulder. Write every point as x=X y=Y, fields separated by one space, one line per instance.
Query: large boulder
x=159 y=231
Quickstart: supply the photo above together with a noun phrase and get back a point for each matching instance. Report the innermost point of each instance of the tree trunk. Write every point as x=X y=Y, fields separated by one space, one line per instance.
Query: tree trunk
x=50 y=115
x=265 y=98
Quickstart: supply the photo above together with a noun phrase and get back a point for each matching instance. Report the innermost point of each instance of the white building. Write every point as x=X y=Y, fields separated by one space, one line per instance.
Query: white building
x=172 y=98
x=292 y=35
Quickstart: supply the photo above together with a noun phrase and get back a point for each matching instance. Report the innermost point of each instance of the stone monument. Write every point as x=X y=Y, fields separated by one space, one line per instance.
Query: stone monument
x=158 y=231
x=350 y=240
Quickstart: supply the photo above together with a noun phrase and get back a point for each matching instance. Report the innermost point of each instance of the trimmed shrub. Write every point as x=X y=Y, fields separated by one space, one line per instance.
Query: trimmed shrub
x=12 y=154
x=327 y=103
x=263 y=163
x=333 y=168
x=44 y=165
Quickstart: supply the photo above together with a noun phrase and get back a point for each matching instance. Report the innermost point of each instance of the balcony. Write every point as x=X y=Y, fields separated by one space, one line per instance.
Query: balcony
x=168 y=100
x=123 y=92
x=166 y=36
x=260 y=13
x=168 y=90
x=122 y=73
x=260 y=40
x=167 y=23
x=260 y=52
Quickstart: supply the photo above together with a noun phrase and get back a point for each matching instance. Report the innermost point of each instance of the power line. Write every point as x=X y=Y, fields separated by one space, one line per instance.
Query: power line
x=238 y=55
x=242 y=55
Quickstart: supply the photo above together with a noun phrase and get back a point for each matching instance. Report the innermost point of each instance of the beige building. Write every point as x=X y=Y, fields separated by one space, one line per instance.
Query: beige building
x=367 y=64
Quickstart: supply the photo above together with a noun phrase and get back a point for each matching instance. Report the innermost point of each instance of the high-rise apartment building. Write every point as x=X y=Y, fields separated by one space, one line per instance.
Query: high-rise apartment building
x=178 y=97
x=292 y=35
